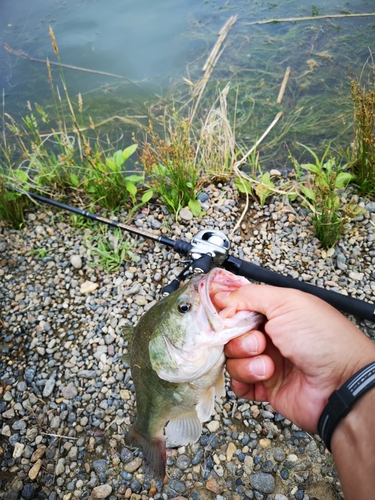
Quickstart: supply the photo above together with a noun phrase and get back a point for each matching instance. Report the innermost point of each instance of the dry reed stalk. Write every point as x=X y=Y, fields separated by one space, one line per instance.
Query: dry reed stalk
x=22 y=54
x=283 y=86
x=309 y=18
x=211 y=63
x=217 y=143
x=93 y=125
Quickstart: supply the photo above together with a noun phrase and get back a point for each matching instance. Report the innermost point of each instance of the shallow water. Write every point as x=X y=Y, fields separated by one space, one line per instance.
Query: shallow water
x=155 y=44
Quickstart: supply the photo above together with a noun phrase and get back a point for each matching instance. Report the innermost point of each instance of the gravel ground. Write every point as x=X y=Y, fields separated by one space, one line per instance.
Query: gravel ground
x=67 y=398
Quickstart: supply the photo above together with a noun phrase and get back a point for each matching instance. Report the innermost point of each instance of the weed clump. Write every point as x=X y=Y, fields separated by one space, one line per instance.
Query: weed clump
x=363 y=148
x=12 y=206
x=171 y=169
x=322 y=188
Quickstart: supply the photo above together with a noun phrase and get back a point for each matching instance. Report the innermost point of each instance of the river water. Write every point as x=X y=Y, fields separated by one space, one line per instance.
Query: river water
x=157 y=43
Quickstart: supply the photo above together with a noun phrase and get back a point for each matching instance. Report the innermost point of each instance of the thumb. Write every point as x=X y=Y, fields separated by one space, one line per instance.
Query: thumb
x=264 y=299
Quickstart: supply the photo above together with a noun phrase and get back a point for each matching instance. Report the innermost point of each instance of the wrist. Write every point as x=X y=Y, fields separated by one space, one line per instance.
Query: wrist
x=342 y=401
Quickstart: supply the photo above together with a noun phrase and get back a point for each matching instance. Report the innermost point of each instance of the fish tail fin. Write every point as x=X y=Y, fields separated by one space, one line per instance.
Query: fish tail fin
x=154 y=452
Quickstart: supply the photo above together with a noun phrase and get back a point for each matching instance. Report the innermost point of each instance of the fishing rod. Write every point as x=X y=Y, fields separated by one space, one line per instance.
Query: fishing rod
x=210 y=248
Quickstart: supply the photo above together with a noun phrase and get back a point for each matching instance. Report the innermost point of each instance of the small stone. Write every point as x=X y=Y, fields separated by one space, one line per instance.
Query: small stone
x=28 y=491
x=263 y=482
x=60 y=467
x=34 y=471
x=48 y=388
x=278 y=455
x=102 y=491
x=100 y=466
x=38 y=453
x=230 y=451
x=213 y=426
x=133 y=465
x=88 y=287
x=30 y=374
x=185 y=214
x=356 y=276
x=264 y=443
x=87 y=374
x=18 y=450
x=76 y=261
x=213 y=485
x=183 y=462
x=70 y=391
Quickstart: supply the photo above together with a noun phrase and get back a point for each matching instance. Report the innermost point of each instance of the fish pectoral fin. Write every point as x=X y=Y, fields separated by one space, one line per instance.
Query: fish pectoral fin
x=220 y=386
x=184 y=429
x=205 y=405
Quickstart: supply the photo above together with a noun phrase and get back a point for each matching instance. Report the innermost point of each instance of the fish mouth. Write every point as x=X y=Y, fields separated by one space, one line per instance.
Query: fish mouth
x=219 y=280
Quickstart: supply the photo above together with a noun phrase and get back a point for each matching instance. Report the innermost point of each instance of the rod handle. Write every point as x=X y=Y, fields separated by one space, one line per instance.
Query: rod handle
x=344 y=303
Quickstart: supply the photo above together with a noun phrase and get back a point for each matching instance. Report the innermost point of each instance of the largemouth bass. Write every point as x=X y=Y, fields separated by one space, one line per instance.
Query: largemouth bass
x=177 y=364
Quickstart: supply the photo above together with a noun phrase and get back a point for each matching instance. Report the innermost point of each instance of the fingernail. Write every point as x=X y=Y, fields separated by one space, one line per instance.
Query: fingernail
x=250 y=344
x=258 y=367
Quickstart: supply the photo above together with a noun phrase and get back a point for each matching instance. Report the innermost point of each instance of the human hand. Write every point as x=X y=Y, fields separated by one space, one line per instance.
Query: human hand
x=305 y=351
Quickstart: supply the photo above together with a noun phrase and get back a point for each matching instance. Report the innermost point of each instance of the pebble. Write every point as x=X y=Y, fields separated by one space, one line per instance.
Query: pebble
x=34 y=471
x=76 y=261
x=265 y=483
x=88 y=287
x=185 y=214
x=69 y=391
x=133 y=465
x=102 y=491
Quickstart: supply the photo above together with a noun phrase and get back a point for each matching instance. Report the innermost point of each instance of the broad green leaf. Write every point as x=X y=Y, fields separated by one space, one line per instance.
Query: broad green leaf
x=262 y=192
x=312 y=168
x=243 y=185
x=128 y=152
x=342 y=179
x=266 y=179
x=110 y=164
x=309 y=193
x=147 y=196
x=195 y=208
x=118 y=159
x=22 y=175
x=134 y=178
x=131 y=188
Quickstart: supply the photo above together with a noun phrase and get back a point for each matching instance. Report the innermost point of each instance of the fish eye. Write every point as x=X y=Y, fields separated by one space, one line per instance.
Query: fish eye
x=184 y=307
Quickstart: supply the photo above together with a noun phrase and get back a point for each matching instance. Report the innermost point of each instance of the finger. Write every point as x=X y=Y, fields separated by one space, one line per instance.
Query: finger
x=254 y=392
x=265 y=299
x=248 y=344
x=251 y=370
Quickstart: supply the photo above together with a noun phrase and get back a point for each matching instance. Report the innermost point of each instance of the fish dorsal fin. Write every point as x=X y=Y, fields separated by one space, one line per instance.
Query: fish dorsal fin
x=205 y=406
x=184 y=429
x=127 y=334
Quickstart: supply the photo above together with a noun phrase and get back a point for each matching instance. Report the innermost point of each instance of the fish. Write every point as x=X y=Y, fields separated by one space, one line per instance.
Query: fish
x=177 y=364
